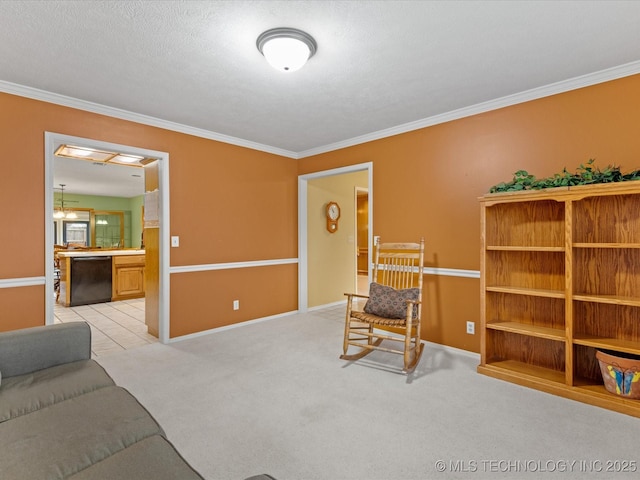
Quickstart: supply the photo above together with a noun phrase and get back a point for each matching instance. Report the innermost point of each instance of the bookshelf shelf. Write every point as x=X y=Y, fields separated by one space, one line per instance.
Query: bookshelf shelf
x=560 y=279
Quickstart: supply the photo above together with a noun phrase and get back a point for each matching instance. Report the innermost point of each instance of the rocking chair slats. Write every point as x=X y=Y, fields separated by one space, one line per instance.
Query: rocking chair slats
x=399 y=266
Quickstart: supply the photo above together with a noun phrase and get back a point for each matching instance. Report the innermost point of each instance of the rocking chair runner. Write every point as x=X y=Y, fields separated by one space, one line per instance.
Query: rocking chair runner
x=394 y=304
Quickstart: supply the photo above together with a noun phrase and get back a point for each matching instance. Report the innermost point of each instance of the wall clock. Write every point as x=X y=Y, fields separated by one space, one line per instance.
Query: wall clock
x=333 y=214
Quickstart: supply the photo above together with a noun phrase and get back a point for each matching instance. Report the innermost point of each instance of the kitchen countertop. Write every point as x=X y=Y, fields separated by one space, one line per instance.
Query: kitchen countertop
x=98 y=253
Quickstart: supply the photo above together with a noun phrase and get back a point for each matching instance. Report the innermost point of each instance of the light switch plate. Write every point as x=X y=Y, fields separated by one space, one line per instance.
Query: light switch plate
x=175 y=241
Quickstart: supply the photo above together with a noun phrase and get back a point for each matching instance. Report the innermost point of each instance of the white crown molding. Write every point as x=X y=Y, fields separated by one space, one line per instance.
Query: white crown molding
x=36 y=94
x=602 y=76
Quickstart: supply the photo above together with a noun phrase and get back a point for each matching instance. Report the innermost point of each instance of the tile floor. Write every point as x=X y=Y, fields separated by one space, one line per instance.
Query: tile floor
x=115 y=326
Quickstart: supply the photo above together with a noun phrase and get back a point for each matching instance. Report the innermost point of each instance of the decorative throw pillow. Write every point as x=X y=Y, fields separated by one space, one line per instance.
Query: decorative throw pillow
x=388 y=302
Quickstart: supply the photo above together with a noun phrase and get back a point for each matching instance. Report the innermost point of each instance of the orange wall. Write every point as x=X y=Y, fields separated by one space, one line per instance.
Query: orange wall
x=228 y=204
x=427 y=182
x=255 y=289
x=19 y=310
x=233 y=204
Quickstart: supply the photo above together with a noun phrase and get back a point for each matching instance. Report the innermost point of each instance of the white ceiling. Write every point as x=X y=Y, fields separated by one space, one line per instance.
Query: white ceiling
x=87 y=178
x=379 y=65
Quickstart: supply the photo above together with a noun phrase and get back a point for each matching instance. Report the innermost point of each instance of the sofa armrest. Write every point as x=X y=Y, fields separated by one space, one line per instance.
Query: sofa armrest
x=31 y=349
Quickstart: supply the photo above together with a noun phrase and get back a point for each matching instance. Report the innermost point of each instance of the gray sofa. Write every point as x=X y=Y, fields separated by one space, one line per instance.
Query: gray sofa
x=63 y=417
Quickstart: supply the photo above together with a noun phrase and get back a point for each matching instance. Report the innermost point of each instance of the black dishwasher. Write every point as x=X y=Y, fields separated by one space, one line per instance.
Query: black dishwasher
x=90 y=280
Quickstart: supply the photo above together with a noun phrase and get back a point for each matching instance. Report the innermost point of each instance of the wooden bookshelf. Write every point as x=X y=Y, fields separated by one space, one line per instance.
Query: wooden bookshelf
x=560 y=278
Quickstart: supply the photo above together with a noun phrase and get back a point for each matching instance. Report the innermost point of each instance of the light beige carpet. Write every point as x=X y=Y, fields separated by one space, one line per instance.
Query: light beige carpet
x=274 y=397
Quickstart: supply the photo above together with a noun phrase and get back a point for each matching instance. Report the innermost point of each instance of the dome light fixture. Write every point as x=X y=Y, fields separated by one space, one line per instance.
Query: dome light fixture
x=286 y=49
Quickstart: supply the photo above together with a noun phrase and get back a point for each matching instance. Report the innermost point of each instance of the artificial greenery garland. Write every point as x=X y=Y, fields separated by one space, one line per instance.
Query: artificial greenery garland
x=585 y=175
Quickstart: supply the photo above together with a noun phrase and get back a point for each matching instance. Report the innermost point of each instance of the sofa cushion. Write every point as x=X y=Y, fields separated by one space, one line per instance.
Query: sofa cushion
x=30 y=392
x=153 y=458
x=30 y=349
x=67 y=437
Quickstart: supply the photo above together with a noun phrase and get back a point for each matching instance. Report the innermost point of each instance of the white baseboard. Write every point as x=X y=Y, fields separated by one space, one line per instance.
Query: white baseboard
x=229 y=327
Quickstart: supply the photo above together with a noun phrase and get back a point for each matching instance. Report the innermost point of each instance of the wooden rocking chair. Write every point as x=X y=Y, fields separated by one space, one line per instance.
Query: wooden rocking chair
x=394 y=304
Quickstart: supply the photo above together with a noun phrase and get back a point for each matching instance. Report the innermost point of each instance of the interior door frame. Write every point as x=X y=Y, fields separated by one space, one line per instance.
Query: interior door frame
x=51 y=142
x=303 y=254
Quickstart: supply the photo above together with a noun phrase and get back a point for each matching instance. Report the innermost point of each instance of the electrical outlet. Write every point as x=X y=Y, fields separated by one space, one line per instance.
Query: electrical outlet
x=236 y=304
x=471 y=328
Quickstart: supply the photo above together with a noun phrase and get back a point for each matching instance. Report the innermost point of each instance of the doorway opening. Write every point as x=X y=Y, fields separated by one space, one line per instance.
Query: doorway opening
x=363 y=261
x=156 y=226
x=305 y=247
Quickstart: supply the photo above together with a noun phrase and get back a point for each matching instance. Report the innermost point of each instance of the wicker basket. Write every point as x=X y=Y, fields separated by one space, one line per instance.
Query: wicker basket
x=620 y=372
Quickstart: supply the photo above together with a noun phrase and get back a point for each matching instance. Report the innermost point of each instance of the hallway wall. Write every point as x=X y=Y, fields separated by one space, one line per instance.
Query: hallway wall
x=331 y=265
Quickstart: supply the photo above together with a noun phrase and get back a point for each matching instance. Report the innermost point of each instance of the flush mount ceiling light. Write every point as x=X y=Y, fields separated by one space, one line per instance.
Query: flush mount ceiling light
x=101 y=157
x=286 y=49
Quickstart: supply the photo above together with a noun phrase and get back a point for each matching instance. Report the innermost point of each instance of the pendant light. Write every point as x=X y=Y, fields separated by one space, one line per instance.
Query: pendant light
x=58 y=214
x=286 y=49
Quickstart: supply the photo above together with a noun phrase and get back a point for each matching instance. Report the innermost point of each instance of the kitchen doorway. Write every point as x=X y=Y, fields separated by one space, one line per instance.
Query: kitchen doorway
x=156 y=225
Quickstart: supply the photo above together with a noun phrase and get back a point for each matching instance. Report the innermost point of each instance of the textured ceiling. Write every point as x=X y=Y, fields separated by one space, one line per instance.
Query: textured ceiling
x=380 y=64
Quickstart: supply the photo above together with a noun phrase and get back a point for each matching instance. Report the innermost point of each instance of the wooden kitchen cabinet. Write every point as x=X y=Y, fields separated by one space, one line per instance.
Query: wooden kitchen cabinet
x=128 y=277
